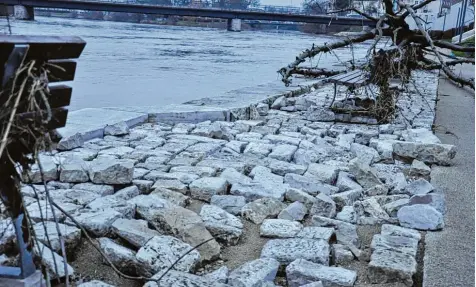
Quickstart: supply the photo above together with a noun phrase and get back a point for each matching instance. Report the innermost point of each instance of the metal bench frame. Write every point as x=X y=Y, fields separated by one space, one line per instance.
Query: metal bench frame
x=16 y=50
x=353 y=79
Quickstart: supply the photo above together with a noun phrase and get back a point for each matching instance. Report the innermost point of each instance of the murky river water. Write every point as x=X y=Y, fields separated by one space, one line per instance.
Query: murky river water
x=127 y=64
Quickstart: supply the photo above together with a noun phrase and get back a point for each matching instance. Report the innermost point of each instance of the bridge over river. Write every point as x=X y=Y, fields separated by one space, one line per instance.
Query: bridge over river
x=234 y=16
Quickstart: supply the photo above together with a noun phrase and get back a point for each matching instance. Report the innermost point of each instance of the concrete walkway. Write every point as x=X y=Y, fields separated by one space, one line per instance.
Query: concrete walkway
x=449 y=255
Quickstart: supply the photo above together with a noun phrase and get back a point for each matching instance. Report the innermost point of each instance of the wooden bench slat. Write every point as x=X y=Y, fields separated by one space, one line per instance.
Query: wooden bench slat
x=60 y=96
x=58 y=118
x=46 y=47
x=347 y=78
x=341 y=76
x=61 y=70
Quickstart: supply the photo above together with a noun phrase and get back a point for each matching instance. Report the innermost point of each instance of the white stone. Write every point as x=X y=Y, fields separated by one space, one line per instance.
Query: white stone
x=341 y=254
x=230 y=203
x=293 y=195
x=345 y=182
x=111 y=171
x=254 y=273
x=118 y=129
x=221 y=224
x=70 y=142
x=346 y=233
x=419 y=186
x=96 y=188
x=370 y=212
x=201 y=171
x=294 y=211
x=323 y=173
x=256 y=190
x=347 y=214
x=205 y=187
x=323 y=206
x=282 y=167
x=346 y=198
x=301 y=272
x=258 y=149
x=123 y=258
x=232 y=176
x=160 y=251
x=97 y=222
x=394 y=230
x=365 y=175
x=441 y=154
x=290 y=249
x=308 y=184
x=315 y=232
x=283 y=152
x=366 y=153
x=172 y=196
x=280 y=228
x=260 y=209
x=421 y=217
x=134 y=231
x=171 y=184
x=70 y=234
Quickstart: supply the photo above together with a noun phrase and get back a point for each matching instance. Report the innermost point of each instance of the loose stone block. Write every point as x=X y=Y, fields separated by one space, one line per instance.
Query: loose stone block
x=323 y=206
x=111 y=171
x=201 y=171
x=419 y=186
x=70 y=142
x=279 y=228
x=230 y=203
x=282 y=167
x=436 y=200
x=301 y=272
x=315 y=232
x=294 y=211
x=399 y=244
x=290 y=249
x=419 y=169
x=134 y=231
x=309 y=184
x=260 y=209
x=293 y=195
x=171 y=196
x=345 y=182
x=282 y=139
x=172 y=184
x=118 y=129
x=341 y=254
x=346 y=198
x=319 y=114
x=283 y=152
x=232 y=176
x=369 y=212
x=220 y=275
x=254 y=273
x=394 y=230
x=365 y=175
x=421 y=217
x=53 y=262
x=97 y=222
x=365 y=153
x=123 y=258
x=440 y=154
x=256 y=190
x=182 y=279
x=258 y=149
x=393 y=207
x=95 y=283
x=74 y=170
x=102 y=190
x=221 y=224
x=323 y=173
x=346 y=233
x=347 y=214
x=70 y=234
x=158 y=252
x=388 y=266
x=204 y=188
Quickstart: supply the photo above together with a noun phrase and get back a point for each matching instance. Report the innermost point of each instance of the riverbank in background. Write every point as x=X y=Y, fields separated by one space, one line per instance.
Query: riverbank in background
x=187 y=21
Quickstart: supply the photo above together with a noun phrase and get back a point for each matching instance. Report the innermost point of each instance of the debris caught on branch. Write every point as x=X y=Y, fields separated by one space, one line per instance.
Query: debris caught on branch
x=410 y=50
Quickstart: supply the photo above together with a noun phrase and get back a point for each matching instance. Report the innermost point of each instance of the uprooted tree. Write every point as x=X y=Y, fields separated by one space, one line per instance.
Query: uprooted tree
x=410 y=50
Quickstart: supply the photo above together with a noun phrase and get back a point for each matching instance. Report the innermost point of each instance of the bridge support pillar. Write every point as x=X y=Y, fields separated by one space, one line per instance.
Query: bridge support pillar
x=234 y=25
x=24 y=12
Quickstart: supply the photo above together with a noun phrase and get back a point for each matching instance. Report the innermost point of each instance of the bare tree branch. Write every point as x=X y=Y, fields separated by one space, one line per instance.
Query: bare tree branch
x=356 y=11
x=445 y=68
x=287 y=71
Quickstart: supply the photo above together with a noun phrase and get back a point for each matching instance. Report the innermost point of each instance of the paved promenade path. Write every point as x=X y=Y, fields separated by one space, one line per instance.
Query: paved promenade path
x=449 y=259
